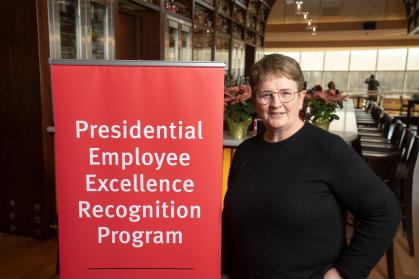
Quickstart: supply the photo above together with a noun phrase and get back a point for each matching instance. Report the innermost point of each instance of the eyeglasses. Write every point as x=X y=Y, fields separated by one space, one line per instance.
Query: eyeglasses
x=267 y=96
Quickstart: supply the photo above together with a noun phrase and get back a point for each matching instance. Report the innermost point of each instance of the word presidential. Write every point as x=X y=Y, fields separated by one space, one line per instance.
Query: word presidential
x=138 y=131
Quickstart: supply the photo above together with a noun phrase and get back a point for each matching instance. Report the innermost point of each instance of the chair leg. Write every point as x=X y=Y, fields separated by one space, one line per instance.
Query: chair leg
x=407 y=201
x=390 y=262
x=409 y=232
x=403 y=205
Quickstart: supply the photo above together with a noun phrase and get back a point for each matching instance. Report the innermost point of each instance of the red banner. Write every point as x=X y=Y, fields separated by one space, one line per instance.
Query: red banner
x=139 y=170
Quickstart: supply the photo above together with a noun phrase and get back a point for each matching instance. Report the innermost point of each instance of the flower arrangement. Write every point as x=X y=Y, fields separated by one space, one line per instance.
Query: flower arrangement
x=323 y=104
x=238 y=104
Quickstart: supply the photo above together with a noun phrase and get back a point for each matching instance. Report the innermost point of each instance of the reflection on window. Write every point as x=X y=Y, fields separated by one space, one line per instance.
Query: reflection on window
x=202 y=41
x=336 y=60
x=391 y=59
x=413 y=59
x=412 y=81
x=391 y=81
x=185 y=47
x=357 y=81
x=339 y=78
x=363 y=60
x=172 y=53
x=222 y=46
x=313 y=78
x=68 y=17
x=312 y=61
x=98 y=15
x=237 y=60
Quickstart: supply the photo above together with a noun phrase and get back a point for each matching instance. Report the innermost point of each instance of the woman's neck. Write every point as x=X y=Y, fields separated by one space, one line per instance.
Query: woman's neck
x=276 y=135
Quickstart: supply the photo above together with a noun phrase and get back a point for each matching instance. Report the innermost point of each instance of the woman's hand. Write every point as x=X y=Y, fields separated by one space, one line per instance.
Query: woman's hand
x=331 y=274
x=225 y=276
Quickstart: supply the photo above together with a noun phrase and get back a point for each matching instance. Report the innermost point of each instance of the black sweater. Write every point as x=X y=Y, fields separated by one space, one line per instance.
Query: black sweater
x=283 y=211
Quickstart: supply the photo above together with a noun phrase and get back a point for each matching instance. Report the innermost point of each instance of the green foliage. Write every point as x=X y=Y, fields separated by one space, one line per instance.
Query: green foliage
x=320 y=109
x=240 y=111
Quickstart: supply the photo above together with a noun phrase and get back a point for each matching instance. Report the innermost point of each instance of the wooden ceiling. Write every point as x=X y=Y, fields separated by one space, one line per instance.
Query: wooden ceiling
x=340 y=23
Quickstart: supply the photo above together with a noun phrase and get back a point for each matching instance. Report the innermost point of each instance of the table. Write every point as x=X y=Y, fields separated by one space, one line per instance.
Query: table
x=410 y=105
x=365 y=95
x=358 y=98
x=346 y=126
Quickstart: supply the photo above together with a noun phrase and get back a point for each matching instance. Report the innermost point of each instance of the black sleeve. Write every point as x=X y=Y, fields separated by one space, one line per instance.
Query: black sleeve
x=226 y=249
x=226 y=237
x=226 y=243
x=364 y=194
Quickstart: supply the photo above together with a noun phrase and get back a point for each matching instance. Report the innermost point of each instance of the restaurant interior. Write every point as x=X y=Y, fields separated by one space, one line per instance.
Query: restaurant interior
x=344 y=41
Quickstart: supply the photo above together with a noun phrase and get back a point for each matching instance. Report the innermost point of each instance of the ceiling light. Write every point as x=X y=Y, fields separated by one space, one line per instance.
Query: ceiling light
x=309 y=24
x=314 y=30
x=305 y=15
x=298 y=7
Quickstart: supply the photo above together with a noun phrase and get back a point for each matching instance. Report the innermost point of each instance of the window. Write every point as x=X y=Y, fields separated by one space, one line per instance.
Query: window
x=313 y=78
x=391 y=81
x=336 y=60
x=295 y=55
x=312 y=61
x=363 y=60
x=392 y=59
x=413 y=59
x=339 y=78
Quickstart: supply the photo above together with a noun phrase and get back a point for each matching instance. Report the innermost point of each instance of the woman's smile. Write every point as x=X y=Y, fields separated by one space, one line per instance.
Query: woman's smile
x=276 y=113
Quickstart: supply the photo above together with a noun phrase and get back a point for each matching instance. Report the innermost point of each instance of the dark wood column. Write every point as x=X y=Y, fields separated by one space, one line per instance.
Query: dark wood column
x=27 y=194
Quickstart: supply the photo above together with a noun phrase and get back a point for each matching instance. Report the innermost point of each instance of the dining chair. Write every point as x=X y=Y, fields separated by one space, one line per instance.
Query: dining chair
x=383 y=134
x=369 y=117
x=404 y=182
x=395 y=143
x=385 y=167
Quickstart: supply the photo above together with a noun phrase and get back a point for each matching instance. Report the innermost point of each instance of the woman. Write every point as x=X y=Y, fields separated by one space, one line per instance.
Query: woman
x=288 y=187
x=373 y=85
x=331 y=88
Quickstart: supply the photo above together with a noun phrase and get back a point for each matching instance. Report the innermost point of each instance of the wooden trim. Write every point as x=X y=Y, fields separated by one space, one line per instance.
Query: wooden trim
x=178 y=16
x=147 y=5
x=49 y=193
x=204 y=4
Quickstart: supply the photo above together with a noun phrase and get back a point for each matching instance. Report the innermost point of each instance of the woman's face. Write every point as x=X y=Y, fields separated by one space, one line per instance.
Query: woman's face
x=276 y=115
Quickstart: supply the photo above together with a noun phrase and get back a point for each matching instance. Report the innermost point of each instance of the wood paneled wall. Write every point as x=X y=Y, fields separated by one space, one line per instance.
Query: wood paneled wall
x=27 y=196
x=138 y=35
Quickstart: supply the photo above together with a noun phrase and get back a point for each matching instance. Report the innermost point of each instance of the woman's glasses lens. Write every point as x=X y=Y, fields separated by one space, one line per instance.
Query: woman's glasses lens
x=266 y=97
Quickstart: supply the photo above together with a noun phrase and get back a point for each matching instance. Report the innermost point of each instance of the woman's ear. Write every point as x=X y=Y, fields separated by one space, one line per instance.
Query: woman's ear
x=302 y=95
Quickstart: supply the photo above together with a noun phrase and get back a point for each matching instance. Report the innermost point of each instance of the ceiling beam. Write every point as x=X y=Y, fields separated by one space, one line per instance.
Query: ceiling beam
x=336 y=26
x=352 y=43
